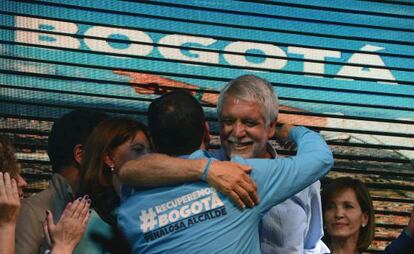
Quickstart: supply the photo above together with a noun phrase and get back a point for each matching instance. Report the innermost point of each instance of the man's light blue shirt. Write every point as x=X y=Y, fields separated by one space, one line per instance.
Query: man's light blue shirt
x=294 y=226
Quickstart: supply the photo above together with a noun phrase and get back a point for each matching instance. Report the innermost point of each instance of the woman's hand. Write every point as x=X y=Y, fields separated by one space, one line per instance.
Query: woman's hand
x=145 y=83
x=9 y=200
x=66 y=234
x=9 y=211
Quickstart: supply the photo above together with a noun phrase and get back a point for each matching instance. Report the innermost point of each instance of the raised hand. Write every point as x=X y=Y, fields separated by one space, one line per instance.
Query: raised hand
x=145 y=83
x=232 y=180
x=66 y=234
x=9 y=211
x=282 y=136
x=9 y=200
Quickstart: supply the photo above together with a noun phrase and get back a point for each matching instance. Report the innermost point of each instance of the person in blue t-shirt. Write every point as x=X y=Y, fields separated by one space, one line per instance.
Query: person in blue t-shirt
x=194 y=217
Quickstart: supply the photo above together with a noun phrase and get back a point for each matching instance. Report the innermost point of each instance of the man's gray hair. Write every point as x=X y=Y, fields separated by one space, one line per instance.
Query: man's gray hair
x=251 y=88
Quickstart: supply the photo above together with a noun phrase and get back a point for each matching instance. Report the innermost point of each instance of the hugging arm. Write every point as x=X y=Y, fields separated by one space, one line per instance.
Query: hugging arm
x=154 y=170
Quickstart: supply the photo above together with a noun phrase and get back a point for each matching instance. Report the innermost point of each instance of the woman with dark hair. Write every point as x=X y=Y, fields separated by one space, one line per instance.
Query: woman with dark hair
x=348 y=216
x=112 y=143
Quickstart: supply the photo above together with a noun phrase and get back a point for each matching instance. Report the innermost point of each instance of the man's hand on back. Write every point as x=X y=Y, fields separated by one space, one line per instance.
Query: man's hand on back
x=232 y=180
x=282 y=136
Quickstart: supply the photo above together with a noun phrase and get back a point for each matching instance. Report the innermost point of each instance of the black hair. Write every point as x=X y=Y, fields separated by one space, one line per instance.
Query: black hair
x=176 y=123
x=68 y=131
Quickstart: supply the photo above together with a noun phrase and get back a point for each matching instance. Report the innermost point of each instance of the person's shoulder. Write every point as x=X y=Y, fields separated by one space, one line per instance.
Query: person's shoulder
x=219 y=154
x=34 y=208
x=314 y=188
x=29 y=223
x=58 y=188
x=41 y=199
x=306 y=195
x=199 y=154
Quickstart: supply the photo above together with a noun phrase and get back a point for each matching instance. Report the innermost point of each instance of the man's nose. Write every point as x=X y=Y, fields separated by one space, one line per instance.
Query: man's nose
x=239 y=130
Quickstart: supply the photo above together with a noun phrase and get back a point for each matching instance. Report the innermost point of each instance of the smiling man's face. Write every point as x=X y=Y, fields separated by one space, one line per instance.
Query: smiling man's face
x=243 y=128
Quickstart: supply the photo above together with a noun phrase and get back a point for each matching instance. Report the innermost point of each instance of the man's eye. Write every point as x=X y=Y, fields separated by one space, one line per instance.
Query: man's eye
x=250 y=123
x=227 y=121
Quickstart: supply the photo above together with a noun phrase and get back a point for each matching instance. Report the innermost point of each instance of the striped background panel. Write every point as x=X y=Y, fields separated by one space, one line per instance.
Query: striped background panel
x=344 y=70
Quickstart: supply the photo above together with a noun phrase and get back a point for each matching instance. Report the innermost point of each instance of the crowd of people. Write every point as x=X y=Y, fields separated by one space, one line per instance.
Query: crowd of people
x=119 y=186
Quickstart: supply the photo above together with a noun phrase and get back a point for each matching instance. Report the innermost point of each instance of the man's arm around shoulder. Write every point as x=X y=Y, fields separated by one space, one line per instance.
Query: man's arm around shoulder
x=154 y=170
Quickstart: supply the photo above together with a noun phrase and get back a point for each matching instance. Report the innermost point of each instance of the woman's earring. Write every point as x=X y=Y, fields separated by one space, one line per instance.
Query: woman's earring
x=363 y=225
x=112 y=168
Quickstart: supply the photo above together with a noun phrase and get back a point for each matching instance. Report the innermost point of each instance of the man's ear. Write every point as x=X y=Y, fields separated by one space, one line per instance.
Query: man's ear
x=78 y=153
x=272 y=129
x=206 y=137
